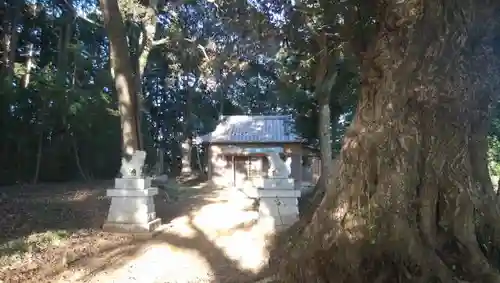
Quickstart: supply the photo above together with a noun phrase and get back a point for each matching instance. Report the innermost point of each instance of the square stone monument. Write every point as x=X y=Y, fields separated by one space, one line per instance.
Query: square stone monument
x=132 y=207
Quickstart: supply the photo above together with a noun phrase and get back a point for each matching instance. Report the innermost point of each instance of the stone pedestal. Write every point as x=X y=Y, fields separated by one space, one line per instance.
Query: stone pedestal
x=278 y=183
x=278 y=202
x=132 y=207
x=296 y=169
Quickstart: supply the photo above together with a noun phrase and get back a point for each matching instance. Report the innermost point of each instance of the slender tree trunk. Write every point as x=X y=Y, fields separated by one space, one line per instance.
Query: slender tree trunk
x=149 y=24
x=77 y=157
x=5 y=45
x=65 y=37
x=325 y=140
x=123 y=77
x=41 y=137
x=222 y=89
x=227 y=81
x=186 y=156
x=72 y=135
x=38 y=157
x=30 y=60
x=402 y=208
x=187 y=144
x=11 y=39
x=21 y=177
x=325 y=79
x=29 y=65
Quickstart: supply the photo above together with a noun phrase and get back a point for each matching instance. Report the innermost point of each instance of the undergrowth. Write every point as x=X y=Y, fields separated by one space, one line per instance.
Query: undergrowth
x=19 y=248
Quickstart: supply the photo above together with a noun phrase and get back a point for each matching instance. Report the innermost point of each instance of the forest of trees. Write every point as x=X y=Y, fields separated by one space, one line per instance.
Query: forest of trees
x=60 y=117
x=401 y=93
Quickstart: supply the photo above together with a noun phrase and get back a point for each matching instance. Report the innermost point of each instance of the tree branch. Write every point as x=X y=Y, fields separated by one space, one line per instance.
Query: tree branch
x=160 y=41
x=76 y=14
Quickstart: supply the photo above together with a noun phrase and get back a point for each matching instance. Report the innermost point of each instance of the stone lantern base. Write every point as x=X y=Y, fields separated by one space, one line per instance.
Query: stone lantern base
x=132 y=207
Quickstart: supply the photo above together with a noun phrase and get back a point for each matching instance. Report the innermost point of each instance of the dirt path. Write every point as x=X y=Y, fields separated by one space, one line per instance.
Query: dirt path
x=215 y=239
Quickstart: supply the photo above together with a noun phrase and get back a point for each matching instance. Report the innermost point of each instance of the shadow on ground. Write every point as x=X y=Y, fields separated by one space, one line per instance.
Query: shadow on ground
x=33 y=209
x=69 y=207
x=219 y=267
x=81 y=209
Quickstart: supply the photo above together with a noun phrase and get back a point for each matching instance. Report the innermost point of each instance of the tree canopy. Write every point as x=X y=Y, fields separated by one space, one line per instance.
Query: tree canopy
x=203 y=59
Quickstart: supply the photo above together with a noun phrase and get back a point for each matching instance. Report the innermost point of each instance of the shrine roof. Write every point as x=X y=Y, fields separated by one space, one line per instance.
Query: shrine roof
x=252 y=129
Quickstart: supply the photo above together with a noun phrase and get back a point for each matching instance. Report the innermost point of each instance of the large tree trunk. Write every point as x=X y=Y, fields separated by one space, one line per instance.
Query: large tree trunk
x=122 y=73
x=402 y=208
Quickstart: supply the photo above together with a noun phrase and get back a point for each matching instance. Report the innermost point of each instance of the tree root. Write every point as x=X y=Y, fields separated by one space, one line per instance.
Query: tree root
x=408 y=258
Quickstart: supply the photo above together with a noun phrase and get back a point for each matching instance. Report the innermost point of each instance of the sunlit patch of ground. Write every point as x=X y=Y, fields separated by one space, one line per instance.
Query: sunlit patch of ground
x=237 y=232
x=221 y=241
x=157 y=263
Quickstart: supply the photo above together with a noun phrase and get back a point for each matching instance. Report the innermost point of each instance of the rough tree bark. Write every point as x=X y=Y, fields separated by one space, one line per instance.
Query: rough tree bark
x=123 y=76
x=410 y=202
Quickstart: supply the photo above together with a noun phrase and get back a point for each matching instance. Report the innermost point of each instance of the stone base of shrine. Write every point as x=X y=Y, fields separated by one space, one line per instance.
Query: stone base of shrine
x=279 y=208
x=277 y=224
x=132 y=208
x=149 y=227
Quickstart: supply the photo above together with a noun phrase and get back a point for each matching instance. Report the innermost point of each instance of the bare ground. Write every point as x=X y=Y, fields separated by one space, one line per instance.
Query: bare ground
x=53 y=235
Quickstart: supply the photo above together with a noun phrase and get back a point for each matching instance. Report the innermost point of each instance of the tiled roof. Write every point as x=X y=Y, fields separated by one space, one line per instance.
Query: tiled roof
x=252 y=129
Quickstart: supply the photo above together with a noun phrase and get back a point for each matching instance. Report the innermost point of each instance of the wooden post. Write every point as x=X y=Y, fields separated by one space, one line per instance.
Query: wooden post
x=233 y=166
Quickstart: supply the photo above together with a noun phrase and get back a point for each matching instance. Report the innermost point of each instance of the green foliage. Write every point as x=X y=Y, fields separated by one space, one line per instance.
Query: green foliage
x=64 y=124
x=61 y=125
x=494 y=155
